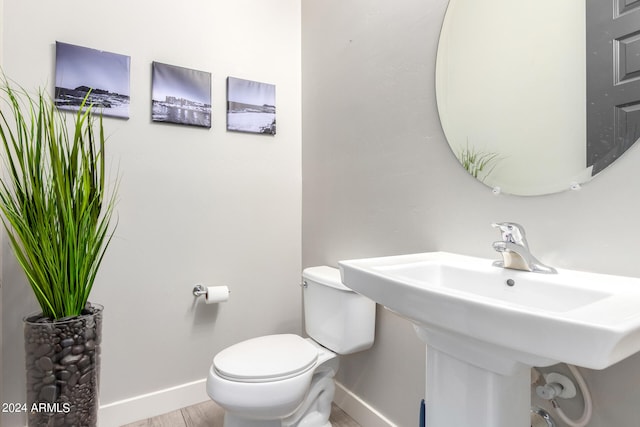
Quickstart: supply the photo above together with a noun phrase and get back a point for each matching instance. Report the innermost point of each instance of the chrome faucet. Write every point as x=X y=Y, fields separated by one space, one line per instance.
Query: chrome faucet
x=515 y=250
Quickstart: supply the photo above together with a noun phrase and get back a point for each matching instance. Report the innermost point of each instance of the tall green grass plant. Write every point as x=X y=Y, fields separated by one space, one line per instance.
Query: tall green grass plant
x=55 y=203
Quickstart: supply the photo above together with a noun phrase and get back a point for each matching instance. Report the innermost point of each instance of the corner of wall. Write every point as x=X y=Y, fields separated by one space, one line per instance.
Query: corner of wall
x=363 y=413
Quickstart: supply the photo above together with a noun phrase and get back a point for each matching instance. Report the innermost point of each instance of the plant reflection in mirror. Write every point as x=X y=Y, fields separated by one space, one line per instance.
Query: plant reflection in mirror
x=478 y=163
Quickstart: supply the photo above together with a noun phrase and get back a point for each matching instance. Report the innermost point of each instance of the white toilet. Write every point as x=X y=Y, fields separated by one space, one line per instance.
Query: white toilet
x=286 y=380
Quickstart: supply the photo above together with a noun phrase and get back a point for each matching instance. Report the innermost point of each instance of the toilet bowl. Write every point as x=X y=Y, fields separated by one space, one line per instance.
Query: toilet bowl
x=285 y=380
x=282 y=372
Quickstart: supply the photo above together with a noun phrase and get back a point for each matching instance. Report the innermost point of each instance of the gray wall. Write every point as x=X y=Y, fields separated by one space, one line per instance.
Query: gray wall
x=379 y=179
x=195 y=204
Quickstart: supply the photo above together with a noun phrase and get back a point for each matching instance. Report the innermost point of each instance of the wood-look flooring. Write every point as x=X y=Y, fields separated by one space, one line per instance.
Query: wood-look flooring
x=208 y=414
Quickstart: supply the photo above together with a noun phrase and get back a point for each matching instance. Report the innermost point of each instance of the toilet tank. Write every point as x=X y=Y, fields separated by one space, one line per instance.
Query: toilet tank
x=335 y=316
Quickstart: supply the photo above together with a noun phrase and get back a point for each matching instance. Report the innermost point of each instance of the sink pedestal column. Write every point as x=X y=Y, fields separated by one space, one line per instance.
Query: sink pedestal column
x=460 y=394
x=479 y=389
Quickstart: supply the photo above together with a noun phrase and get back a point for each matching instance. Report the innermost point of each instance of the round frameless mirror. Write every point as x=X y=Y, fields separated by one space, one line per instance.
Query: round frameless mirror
x=521 y=102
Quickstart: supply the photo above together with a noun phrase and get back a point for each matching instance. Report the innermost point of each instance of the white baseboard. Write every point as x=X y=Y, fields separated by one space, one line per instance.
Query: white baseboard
x=149 y=405
x=361 y=412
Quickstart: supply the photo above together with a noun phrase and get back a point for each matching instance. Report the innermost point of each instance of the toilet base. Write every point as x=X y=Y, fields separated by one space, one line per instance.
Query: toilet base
x=314 y=411
x=231 y=420
x=316 y=408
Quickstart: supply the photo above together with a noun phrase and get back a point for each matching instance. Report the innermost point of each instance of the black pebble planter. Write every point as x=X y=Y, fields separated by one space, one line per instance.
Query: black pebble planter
x=63 y=369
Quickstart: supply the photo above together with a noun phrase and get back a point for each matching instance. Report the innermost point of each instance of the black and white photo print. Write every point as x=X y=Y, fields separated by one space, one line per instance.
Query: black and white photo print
x=251 y=106
x=181 y=95
x=103 y=76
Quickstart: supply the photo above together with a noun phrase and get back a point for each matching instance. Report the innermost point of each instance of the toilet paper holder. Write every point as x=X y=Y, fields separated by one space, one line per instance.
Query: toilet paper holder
x=199 y=290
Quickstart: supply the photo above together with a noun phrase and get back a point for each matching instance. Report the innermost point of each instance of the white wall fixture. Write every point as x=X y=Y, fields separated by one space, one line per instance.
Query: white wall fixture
x=485 y=327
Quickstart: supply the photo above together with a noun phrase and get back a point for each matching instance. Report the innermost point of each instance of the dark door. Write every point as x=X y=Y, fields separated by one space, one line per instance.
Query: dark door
x=613 y=79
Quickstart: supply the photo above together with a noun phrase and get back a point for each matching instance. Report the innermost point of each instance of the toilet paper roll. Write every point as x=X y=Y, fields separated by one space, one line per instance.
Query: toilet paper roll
x=216 y=294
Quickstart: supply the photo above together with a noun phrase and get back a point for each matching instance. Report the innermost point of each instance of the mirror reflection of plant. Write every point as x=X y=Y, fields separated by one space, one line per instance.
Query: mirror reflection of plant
x=478 y=163
x=53 y=197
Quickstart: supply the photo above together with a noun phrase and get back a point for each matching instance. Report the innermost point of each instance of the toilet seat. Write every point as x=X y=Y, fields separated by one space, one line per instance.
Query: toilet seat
x=265 y=359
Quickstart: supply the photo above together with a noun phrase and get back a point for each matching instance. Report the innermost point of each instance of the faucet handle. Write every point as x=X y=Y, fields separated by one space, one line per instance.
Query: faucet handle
x=511 y=232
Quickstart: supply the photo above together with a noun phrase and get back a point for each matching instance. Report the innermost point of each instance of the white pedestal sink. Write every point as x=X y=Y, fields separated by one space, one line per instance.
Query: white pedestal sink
x=486 y=326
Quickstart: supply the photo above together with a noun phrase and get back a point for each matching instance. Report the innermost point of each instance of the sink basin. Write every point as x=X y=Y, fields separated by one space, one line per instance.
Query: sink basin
x=485 y=326
x=586 y=319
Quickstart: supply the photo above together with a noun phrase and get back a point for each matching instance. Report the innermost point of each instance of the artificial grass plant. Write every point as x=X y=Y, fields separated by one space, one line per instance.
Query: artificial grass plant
x=55 y=204
x=478 y=163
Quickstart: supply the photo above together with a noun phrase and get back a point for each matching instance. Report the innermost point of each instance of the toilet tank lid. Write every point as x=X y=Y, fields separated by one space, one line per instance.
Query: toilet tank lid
x=326 y=276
